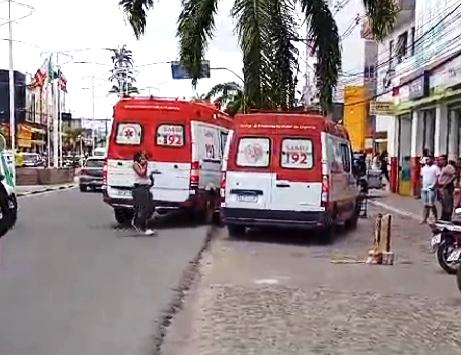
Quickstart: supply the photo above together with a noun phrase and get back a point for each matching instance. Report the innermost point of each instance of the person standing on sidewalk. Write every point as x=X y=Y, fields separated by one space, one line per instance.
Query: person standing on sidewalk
x=429 y=178
x=446 y=187
x=384 y=165
x=423 y=163
x=142 y=199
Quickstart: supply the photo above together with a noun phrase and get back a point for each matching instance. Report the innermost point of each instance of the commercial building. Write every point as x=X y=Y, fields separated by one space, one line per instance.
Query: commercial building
x=34 y=108
x=426 y=94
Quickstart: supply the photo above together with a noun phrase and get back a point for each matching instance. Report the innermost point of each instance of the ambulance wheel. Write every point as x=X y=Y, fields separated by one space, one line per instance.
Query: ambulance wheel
x=327 y=234
x=236 y=231
x=351 y=223
x=205 y=215
x=123 y=216
x=208 y=214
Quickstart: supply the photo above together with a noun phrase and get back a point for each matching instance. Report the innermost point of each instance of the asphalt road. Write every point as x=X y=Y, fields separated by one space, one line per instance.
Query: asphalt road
x=72 y=283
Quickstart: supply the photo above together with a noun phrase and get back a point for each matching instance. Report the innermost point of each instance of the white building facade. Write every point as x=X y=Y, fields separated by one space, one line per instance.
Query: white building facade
x=426 y=93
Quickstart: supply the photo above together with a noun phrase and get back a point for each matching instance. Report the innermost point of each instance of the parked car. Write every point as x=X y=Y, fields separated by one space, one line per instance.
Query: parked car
x=31 y=160
x=288 y=170
x=100 y=152
x=91 y=175
x=184 y=142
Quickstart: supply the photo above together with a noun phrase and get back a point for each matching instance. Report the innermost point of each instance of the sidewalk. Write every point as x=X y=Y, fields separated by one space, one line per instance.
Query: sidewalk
x=403 y=205
x=267 y=295
x=25 y=190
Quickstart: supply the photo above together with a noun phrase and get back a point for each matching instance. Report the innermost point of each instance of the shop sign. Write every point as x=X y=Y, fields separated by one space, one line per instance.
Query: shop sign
x=419 y=87
x=447 y=75
x=385 y=108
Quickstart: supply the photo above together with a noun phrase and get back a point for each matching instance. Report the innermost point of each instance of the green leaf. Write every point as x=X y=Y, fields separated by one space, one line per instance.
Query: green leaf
x=325 y=36
x=196 y=25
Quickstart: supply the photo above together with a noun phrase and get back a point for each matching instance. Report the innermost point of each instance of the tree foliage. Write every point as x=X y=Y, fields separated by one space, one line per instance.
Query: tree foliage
x=266 y=32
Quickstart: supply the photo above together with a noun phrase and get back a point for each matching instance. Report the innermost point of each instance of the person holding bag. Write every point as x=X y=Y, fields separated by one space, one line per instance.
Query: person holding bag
x=142 y=198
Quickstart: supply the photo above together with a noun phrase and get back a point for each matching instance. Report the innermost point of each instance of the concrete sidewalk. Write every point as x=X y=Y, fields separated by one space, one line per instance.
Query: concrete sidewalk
x=277 y=294
x=402 y=205
x=37 y=189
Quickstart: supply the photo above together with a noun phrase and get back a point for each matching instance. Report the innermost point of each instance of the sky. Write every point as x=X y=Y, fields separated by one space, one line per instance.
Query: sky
x=57 y=25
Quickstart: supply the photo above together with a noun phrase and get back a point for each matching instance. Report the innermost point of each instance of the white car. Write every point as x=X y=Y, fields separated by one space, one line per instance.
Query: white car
x=8 y=201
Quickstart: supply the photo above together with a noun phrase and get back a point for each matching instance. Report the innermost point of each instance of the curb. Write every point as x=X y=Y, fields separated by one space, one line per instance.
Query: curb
x=395 y=210
x=175 y=305
x=47 y=189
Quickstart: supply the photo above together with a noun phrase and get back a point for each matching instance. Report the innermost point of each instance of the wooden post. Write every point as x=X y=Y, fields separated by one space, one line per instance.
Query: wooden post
x=388 y=233
x=377 y=239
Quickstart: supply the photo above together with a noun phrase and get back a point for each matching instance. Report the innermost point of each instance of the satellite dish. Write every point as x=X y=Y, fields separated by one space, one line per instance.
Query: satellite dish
x=2 y=143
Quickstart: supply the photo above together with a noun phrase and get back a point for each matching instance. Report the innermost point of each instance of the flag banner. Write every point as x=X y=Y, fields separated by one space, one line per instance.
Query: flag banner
x=62 y=81
x=41 y=75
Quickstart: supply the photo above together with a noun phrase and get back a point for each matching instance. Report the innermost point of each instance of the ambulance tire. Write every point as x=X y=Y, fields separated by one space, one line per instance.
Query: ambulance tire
x=236 y=231
x=204 y=216
x=351 y=223
x=123 y=216
x=327 y=234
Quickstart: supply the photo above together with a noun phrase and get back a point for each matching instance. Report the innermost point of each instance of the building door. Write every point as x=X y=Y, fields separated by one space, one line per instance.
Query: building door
x=404 y=155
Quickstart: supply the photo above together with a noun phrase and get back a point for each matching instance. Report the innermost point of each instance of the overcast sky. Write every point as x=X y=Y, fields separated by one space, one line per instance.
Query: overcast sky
x=70 y=25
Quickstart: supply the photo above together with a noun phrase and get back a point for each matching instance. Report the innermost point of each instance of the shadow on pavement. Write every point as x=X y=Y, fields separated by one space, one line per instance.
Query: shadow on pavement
x=175 y=220
x=288 y=236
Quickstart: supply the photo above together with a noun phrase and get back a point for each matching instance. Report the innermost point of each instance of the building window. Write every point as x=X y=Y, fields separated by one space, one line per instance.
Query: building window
x=402 y=47
x=412 y=40
x=372 y=71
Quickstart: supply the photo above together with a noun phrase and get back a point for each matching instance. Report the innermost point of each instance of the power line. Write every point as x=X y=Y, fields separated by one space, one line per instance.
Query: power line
x=456 y=55
x=422 y=37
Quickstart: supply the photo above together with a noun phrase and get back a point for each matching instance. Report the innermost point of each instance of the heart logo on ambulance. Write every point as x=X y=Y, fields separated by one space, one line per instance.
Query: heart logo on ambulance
x=253 y=152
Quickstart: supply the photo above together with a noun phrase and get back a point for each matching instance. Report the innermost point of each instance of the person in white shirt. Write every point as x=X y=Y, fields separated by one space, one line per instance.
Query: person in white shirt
x=142 y=199
x=429 y=178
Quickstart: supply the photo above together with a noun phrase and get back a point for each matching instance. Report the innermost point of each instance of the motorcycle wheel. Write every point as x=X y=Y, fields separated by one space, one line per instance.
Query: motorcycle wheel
x=451 y=269
x=459 y=277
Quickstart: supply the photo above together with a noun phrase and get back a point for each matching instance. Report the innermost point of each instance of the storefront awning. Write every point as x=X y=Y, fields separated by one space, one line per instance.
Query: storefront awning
x=410 y=105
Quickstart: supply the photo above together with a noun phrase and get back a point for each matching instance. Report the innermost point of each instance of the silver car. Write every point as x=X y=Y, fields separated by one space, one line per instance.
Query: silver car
x=91 y=174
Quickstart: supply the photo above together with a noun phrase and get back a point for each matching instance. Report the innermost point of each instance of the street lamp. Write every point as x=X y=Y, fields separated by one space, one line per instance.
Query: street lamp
x=92 y=87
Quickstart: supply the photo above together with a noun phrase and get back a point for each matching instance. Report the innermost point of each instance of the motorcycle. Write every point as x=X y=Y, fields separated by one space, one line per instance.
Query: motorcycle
x=446 y=242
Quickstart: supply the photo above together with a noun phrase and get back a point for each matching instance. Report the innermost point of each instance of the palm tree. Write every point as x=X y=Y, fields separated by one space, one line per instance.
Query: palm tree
x=229 y=96
x=122 y=73
x=122 y=57
x=71 y=136
x=125 y=88
x=266 y=31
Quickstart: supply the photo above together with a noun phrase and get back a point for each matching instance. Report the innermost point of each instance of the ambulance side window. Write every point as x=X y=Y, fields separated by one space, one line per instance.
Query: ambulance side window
x=223 y=141
x=346 y=157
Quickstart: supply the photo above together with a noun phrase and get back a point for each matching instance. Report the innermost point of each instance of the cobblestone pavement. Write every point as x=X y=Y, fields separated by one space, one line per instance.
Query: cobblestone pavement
x=275 y=294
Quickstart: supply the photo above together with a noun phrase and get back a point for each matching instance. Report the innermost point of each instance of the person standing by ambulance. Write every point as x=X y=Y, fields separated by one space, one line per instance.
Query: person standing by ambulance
x=142 y=198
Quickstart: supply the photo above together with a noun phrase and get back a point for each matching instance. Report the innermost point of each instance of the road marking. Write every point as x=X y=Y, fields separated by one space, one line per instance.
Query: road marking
x=266 y=282
x=396 y=210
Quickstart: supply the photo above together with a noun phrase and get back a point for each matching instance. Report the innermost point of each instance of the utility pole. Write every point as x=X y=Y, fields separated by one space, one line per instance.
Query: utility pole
x=93 y=116
x=56 y=118
x=11 y=90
